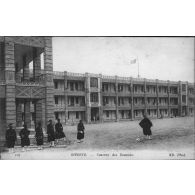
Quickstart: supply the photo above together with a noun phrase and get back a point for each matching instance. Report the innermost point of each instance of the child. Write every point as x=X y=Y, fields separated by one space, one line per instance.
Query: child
x=10 y=138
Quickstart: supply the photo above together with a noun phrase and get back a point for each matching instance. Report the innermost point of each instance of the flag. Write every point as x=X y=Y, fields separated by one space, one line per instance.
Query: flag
x=133 y=61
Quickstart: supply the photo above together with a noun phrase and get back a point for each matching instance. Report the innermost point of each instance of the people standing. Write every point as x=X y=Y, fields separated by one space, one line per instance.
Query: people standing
x=146 y=125
x=80 y=131
x=10 y=137
x=50 y=133
x=39 y=136
x=24 y=135
x=59 y=134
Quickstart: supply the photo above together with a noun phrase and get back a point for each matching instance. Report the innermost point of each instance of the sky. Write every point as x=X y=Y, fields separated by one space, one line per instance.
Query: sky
x=168 y=58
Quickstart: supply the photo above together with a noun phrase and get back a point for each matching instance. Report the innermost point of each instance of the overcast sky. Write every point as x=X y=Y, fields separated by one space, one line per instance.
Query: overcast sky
x=159 y=58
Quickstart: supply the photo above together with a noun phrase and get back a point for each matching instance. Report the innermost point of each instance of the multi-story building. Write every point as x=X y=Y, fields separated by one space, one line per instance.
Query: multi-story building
x=30 y=91
x=95 y=97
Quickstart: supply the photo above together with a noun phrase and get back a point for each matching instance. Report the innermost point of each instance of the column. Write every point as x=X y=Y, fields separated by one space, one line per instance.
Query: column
x=169 y=110
x=132 y=109
x=48 y=66
x=36 y=75
x=116 y=86
x=179 y=91
x=19 y=113
x=145 y=97
x=88 y=104
x=157 y=94
x=10 y=104
x=100 y=100
x=27 y=114
x=66 y=96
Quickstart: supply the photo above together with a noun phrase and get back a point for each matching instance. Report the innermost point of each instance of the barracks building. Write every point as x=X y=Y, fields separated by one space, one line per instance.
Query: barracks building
x=30 y=91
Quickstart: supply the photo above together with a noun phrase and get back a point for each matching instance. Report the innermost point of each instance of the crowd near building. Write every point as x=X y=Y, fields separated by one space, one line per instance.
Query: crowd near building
x=30 y=91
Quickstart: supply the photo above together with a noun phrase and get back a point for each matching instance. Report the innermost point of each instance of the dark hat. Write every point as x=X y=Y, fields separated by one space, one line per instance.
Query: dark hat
x=10 y=124
x=50 y=120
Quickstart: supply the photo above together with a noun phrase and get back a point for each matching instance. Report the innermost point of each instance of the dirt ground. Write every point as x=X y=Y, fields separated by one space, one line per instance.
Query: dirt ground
x=173 y=138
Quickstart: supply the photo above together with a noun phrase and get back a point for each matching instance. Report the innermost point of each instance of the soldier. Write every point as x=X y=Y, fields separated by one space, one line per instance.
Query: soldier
x=50 y=133
x=59 y=131
x=39 y=136
x=80 y=131
x=146 y=124
x=24 y=135
x=10 y=138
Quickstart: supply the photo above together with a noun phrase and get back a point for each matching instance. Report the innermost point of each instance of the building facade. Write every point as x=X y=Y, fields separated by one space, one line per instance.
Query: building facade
x=30 y=91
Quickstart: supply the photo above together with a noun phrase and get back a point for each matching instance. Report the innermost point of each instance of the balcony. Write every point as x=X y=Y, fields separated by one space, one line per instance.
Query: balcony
x=75 y=93
x=30 y=91
x=59 y=107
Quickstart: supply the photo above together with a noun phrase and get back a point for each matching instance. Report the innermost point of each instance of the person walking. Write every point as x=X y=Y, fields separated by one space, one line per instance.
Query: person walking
x=80 y=131
x=24 y=135
x=50 y=133
x=59 y=134
x=146 y=125
x=10 y=137
x=39 y=136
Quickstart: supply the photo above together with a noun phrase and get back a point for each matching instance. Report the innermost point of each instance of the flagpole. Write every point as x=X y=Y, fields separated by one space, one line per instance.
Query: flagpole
x=138 y=67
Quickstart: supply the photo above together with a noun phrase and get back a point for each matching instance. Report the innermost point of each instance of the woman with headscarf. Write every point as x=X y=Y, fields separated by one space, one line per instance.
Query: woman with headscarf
x=24 y=135
x=50 y=133
x=80 y=131
x=39 y=136
x=10 y=137
x=146 y=125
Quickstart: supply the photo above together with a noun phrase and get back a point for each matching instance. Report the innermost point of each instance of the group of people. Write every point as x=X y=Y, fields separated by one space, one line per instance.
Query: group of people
x=55 y=133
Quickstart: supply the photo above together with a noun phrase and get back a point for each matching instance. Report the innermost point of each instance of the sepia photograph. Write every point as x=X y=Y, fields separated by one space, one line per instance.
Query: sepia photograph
x=96 y=98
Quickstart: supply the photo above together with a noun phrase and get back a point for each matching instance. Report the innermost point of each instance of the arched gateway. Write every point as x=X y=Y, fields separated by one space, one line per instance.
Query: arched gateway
x=26 y=81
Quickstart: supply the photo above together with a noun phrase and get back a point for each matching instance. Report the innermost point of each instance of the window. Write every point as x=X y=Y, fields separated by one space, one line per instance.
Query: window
x=56 y=100
x=76 y=86
x=122 y=113
x=56 y=115
x=94 y=97
x=72 y=101
x=107 y=114
x=77 y=100
x=129 y=100
x=77 y=115
x=120 y=88
x=56 y=85
x=71 y=87
x=94 y=82
x=114 y=100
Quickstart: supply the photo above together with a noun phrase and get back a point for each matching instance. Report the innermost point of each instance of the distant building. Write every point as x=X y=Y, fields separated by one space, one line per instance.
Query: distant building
x=30 y=91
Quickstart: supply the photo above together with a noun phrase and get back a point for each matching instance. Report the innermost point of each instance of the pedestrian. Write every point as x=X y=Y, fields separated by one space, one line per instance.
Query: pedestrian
x=24 y=135
x=80 y=131
x=146 y=125
x=10 y=137
x=39 y=136
x=59 y=134
x=50 y=133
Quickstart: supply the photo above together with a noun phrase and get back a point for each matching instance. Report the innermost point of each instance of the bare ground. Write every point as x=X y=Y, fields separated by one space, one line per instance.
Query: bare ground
x=173 y=138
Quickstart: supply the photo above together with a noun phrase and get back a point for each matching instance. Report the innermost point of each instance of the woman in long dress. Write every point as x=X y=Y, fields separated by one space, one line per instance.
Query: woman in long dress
x=24 y=135
x=146 y=125
x=80 y=131
x=39 y=136
x=50 y=133
x=10 y=137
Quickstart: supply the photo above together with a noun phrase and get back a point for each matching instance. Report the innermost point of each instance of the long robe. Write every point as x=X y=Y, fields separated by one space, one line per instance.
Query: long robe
x=146 y=124
x=59 y=131
x=80 y=131
x=39 y=136
x=24 y=134
x=10 y=137
x=50 y=133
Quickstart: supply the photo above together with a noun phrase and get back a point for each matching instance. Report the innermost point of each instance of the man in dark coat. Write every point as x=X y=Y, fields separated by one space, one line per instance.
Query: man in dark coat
x=80 y=131
x=50 y=133
x=59 y=134
x=24 y=135
x=10 y=137
x=39 y=136
x=146 y=125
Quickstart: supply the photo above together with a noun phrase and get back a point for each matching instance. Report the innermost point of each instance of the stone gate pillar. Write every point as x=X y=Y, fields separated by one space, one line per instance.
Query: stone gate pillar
x=10 y=104
x=49 y=91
